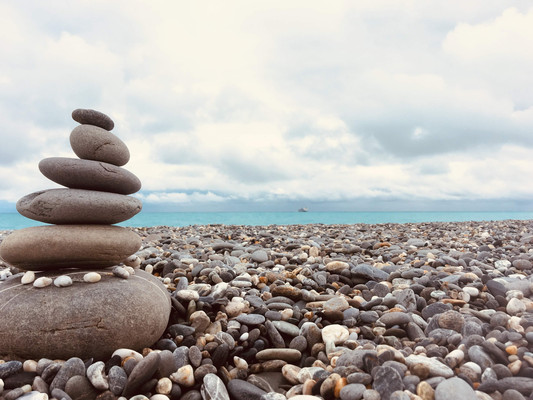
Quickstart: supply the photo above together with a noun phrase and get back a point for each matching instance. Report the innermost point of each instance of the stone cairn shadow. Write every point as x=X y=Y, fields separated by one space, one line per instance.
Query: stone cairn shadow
x=75 y=298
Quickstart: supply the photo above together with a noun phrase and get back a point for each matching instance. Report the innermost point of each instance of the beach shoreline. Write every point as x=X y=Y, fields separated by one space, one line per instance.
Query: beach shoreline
x=341 y=311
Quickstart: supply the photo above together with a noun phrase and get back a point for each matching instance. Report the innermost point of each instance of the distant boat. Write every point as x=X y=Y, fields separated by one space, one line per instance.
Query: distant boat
x=303 y=209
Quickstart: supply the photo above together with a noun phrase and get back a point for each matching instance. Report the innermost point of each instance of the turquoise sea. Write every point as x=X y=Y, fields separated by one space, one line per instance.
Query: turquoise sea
x=16 y=221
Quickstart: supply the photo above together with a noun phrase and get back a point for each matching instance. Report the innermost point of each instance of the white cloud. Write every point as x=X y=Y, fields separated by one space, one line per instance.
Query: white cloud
x=279 y=100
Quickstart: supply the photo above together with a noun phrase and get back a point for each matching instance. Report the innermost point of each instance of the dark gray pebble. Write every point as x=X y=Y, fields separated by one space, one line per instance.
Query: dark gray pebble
x=79 y=388
x=117 y=380
x=72 y=367
x=192 y=395
x=251 y=319
x=213 y=388
x=9 y=368
x=142 y=372
x=386 y=381
x=242 y=390
x=93 y=117
x=60 y=394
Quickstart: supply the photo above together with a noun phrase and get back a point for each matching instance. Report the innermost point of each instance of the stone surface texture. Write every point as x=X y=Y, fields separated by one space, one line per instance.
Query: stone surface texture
x=78 y=206
x=91 y=142
x=68 y=246
x=91 y=175
x=83 y=320
x=93 y=117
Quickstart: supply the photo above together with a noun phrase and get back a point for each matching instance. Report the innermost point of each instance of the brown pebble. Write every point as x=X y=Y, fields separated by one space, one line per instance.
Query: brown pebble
x=307 y=387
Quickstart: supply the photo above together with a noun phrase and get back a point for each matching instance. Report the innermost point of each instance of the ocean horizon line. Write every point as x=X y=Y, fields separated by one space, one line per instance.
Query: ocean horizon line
x=11 y=221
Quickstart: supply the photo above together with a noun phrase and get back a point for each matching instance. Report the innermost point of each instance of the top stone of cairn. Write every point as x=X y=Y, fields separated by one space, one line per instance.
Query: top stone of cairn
x=93 y=117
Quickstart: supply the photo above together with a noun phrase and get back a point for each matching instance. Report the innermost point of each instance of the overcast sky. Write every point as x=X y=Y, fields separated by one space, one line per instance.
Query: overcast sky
x=272 y=105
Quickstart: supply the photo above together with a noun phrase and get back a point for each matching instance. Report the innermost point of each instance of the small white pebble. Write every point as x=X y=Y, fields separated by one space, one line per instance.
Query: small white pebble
x=159 y=397
x=63 y=281
x=43 y=281
x=164 y=386
x=130 y=270
x=92 y=277
x=28 y=277
x=29 y=366
x=123 y=353
x=4 y=274
x=149 y=268
x=240 y=363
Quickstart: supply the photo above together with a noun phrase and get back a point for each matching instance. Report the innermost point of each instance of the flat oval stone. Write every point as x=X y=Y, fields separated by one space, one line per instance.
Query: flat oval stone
x=289 y=355
x=42 y=248
x=77 y=206
x=83 y=320
x=91 y=142
x=93 y=117
x=88 y=174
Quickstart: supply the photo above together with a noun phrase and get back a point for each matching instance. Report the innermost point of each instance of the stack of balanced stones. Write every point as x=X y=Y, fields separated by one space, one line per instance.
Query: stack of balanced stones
x=71 y=317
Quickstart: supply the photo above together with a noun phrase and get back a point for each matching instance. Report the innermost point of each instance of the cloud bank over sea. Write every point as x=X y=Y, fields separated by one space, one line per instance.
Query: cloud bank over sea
x=270 y=106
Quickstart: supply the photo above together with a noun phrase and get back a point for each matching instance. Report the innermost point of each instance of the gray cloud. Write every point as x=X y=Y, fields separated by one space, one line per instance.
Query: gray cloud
x=274 y=103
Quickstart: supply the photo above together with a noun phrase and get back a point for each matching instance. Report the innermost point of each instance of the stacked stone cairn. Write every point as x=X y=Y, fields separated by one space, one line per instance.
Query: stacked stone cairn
x=76 y=299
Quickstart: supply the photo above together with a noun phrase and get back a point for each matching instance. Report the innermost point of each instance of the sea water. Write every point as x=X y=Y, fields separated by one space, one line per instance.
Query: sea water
x=16 y=221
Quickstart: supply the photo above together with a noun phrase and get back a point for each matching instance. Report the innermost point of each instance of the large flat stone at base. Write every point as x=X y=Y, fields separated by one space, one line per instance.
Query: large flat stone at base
x=53 y=247
x=83 y=320
x=78 y=206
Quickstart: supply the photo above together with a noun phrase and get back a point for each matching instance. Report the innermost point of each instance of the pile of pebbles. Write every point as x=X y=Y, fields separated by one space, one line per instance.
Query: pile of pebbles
x=391 y=311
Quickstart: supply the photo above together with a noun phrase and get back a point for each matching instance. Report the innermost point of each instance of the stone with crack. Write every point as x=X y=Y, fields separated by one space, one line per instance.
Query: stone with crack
x=81 y=320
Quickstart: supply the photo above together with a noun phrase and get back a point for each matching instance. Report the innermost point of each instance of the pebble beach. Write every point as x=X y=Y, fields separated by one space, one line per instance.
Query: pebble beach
x=390 y=311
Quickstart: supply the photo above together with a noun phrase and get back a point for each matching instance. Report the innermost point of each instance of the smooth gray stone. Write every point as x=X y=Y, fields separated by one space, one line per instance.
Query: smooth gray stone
x=78 y=206
x=181 y=356
x=369 y=272
x=93 y=117
x=395 y=318
x=203 y=370
x=352 y=391
x=260 y=256
x=522 y=384
x=69 y=246
x=287 y=328
x=480 y=357
x=213 y=388
x=167 y=364
x=79 y=388
x=454 y=389
x=72 y=367
x=9 y=368
x=406 y=298
x=60 y=394
x=354 y=357
x=117 y=379
x=191 y=395
x=511 y=394
x=91 y=142
x=386 y=381
x=275 y=337
x=242 y=390
x=142 y=372
x=251 y=319
x=91 y=175
x=84 y=320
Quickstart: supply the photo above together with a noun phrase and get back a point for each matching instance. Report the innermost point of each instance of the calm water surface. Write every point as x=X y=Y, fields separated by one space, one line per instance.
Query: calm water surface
x=16 y=221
